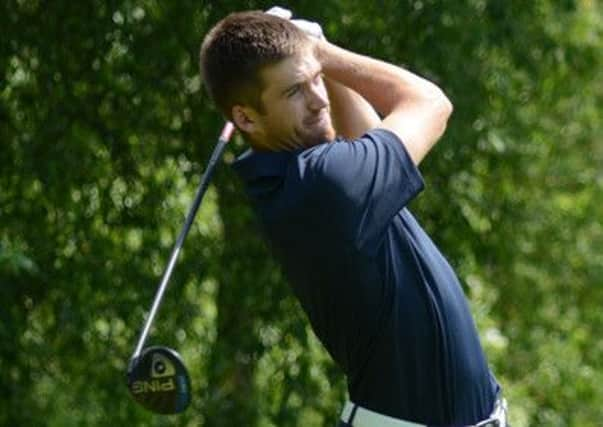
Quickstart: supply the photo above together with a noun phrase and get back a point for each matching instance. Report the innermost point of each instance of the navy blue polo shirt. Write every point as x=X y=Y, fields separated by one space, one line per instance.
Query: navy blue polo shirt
x=380 y=296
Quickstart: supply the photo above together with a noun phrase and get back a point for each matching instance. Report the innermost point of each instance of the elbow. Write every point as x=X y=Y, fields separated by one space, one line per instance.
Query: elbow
x=439 y=108
x=436 y=103
x=447 y=106
x=447 y=109
x=442 y=110
x=442 y=106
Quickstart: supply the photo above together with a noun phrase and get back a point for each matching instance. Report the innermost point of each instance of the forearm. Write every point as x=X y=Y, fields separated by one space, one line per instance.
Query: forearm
x=413 y=108
x=382 y=84
x=352 y=115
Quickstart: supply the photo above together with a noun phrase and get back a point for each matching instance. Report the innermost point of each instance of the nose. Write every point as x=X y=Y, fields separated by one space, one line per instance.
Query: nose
x=317 y=97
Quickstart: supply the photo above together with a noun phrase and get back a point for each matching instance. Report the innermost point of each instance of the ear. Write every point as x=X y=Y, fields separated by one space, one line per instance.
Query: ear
x=246 y=119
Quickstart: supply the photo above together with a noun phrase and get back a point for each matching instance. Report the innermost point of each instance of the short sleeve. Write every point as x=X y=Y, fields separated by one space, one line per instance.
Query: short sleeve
x=367 y=181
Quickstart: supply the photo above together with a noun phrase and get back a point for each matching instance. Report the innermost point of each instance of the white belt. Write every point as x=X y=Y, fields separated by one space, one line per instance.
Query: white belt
x=367 y=418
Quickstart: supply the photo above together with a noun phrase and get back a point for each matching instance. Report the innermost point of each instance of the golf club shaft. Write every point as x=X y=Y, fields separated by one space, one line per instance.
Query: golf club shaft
x=213 y=160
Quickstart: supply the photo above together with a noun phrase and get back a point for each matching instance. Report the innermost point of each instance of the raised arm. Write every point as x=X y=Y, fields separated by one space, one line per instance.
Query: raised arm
x=413 y=108
x=352 y=115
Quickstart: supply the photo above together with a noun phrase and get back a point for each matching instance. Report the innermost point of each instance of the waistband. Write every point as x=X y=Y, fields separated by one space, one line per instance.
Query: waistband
x=357 y=416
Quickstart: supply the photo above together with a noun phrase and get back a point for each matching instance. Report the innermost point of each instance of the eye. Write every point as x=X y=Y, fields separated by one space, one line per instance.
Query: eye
x=292 y=91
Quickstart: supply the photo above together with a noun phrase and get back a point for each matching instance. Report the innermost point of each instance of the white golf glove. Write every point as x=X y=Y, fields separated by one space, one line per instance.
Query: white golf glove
x=310 y=28
x=281 y=12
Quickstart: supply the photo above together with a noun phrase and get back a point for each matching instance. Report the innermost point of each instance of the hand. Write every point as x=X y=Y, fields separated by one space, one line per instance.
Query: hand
x=281 y=12
x=312 y=29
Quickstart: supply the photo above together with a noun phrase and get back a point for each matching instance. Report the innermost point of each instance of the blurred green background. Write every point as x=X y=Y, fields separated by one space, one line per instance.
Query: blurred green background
x=105 y=130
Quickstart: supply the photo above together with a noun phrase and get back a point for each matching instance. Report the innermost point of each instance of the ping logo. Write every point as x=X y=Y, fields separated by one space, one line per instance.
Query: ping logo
x=162 y=377
x=161 y=367
x=153 y=386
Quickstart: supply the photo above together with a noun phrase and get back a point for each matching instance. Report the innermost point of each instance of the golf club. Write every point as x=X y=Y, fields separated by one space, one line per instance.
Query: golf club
x=157 y=377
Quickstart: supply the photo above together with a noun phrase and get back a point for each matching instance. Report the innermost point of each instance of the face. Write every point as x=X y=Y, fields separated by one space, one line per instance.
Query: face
x=296 y=106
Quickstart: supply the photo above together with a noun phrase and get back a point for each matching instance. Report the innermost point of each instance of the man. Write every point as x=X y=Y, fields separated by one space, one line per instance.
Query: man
x=379 y=295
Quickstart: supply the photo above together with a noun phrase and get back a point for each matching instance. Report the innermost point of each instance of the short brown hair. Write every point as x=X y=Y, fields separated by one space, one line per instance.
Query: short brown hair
x=237 y=48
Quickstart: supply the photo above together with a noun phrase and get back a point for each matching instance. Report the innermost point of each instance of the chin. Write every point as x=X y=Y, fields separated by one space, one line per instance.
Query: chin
x=327 y=133
x=316 y=136
x=331 y=135
x=321 y=138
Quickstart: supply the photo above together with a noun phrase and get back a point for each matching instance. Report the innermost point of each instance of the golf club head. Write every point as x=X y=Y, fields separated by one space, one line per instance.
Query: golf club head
x=158 y=380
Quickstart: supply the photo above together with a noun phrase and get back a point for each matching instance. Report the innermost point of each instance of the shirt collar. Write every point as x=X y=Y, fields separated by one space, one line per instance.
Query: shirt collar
x=257 y=164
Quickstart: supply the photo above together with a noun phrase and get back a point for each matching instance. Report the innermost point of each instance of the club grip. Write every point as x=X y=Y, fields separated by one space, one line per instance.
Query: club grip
x=227 y=131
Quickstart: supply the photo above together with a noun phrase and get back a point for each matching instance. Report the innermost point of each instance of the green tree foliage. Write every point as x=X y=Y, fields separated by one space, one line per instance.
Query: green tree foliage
x=105 y=130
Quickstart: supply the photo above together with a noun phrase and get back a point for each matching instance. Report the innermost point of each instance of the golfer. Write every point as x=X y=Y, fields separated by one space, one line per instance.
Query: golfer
x=335 y=141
